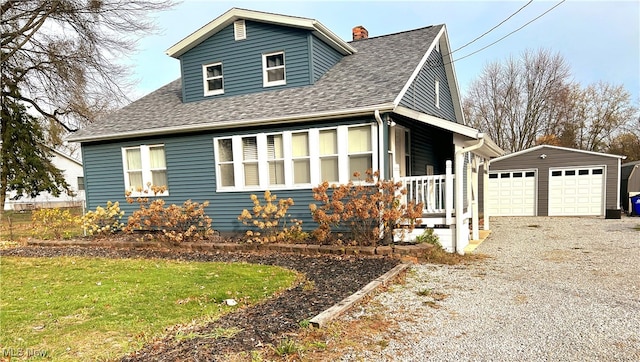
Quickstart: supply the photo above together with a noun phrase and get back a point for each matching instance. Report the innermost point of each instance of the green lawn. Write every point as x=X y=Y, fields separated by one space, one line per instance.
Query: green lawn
x=74 y=308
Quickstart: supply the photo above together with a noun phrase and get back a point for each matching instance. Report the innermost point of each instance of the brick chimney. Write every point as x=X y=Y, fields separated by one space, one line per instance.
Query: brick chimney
x=359 y=33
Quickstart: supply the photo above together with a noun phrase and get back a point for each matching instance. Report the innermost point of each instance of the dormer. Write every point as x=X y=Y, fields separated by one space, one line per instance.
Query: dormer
x=245 y=51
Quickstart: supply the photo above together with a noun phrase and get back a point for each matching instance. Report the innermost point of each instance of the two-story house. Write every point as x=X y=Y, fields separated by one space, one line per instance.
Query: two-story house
x=269 y=101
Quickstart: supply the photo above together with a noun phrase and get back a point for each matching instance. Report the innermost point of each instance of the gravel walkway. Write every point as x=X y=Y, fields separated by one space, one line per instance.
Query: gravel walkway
x=554 y=289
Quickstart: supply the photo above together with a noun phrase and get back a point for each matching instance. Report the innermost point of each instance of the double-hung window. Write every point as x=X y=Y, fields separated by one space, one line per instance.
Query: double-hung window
x=329 y=155
x=275 y=159
x=250 y=161
x=273 y=69
x=213 y=79
x=300 y=158
x=294 y=159
x=144 y=166
x=360 y=151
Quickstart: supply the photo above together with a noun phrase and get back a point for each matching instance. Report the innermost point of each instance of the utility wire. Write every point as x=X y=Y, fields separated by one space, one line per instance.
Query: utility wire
x=520 y=28
x=492 y=29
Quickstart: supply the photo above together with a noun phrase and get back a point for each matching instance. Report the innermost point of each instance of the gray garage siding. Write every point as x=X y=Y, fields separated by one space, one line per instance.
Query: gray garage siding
x=558 y=157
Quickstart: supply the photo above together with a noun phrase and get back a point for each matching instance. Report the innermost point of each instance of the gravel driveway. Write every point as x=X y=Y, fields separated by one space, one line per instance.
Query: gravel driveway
x=554 y=289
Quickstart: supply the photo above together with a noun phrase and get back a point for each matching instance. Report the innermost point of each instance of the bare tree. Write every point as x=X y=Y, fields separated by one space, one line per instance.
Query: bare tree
x=60 y=57
x=531 y=101
x=515 y=101
x=60 y=68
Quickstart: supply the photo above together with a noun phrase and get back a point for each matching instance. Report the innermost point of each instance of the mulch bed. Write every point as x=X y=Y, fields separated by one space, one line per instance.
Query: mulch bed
x=334 y=278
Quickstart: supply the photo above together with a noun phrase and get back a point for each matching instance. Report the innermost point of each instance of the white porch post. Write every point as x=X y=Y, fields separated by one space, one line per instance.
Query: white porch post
x=485 y=195
x=459 y=201
x=448 y=197
x=474 y=201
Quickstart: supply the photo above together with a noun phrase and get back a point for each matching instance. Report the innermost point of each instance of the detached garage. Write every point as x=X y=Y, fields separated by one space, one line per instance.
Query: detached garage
x=552 y=181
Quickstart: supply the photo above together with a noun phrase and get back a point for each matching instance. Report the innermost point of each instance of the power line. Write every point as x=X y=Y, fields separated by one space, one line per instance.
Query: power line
x=492 y=29
x=520 y=28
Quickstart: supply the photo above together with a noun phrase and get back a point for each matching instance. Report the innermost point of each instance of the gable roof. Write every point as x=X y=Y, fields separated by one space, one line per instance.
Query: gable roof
x=358 y=84
x=64 y=155
x=234 y=14
x=532 y=149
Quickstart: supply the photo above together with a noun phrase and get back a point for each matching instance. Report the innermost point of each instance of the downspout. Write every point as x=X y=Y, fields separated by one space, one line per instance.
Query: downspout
x=376 y=114
x=459 y=201
x=380 y=143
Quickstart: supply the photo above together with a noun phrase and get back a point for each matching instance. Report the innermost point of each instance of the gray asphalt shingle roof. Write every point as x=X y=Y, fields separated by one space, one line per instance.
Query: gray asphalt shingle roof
x=374 y=75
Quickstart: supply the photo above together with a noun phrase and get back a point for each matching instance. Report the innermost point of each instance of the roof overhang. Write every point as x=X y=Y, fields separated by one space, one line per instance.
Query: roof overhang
x=234 y=14
x=229 y=124
x=489 y=148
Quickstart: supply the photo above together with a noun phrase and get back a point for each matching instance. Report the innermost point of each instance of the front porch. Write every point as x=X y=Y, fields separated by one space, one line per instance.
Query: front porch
x=436 y=193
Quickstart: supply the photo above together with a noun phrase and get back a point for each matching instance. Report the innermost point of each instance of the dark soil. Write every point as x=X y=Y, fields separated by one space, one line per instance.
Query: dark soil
x=332 y=279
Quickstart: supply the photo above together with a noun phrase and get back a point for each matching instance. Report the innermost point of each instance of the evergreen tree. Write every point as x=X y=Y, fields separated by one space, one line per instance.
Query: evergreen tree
x=26 y=165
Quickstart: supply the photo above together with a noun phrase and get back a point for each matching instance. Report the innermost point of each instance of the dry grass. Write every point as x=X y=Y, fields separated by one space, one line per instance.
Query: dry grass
x=440 y=256
x=339 y=337
x=17 y=226
x=326 y=344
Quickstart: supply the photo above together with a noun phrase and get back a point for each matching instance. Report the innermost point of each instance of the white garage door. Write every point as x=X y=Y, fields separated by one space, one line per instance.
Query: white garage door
x=576 y=191
x=512 y=193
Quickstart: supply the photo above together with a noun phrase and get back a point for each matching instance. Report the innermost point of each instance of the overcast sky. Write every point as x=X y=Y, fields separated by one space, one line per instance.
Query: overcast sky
x=600 y=40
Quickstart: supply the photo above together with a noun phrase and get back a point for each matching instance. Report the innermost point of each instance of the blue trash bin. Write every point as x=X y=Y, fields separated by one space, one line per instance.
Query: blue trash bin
x=635 y=205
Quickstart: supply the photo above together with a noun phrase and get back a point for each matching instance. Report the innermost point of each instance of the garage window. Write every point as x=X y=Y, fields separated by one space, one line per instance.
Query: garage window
x=597 y=171
x=505 y=175
x=583 y=172
x=517 y=174
x=493 y=175
x=570 y=173
x=556 y=173
x=530 y=174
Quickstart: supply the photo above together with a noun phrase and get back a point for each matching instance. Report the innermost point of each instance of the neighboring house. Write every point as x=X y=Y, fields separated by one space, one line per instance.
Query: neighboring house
x=277 y=102
x=72 y=171
x=629 y=183
x=553 y=181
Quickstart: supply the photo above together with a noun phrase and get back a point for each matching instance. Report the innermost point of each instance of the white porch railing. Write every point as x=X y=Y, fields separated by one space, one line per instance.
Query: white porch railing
x=429 y=190
x=434 y=192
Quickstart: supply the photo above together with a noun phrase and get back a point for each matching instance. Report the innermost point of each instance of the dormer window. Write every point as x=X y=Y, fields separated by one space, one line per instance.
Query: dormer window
x=273 y=69
x=213 y=79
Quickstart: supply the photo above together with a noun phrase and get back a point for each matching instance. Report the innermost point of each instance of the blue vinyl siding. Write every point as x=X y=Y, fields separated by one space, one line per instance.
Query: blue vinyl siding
x=242 y=59
x=429 y=146
x=324 y=57
x=190 y=174
x=421 y=94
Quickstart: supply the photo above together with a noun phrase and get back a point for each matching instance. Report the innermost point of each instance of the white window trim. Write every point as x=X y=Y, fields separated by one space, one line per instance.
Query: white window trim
x=147 y=177
x=208 y=92
x=265 y=78
x=314 y=159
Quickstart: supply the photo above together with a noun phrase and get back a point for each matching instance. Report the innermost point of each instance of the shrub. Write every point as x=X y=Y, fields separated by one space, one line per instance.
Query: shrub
x=172 y=223
x=56 y=222
x=429 y=237
x=272 y=221
x=370 y=210
x=103 y=221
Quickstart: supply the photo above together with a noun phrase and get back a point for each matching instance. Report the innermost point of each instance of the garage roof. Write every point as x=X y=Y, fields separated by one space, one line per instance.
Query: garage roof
x=532 y=149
